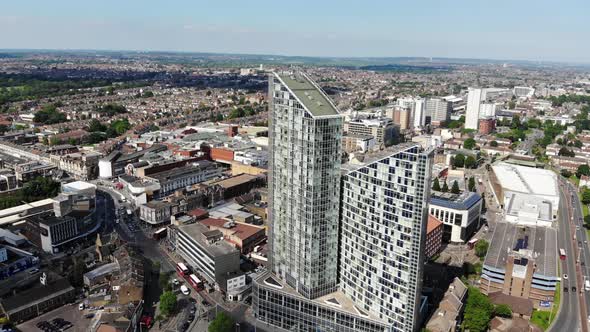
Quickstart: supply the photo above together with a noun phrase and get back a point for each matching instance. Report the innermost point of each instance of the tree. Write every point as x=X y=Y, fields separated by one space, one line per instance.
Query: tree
x=503 y=310
x=493 y=144
x=511 y=105
x=455 y=188
x=565 y=173
x=471 y=184
x=167 y=303
x=578 y=144
x=583 y=170
x=478 y=311
x=459 y=160
x=95 y=126
x=586 y=196
x=436 y=185
x=49 y=115
x=445 y=187
x=566 y=152
x=481 y=248
x=469 y=162
x=222 y=323
x=587 y=221
x=469 y=144
x=40 y=188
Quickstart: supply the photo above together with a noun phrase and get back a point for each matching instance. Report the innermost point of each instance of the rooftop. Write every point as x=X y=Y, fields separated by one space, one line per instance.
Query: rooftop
x=196 y=232
x=309 y=94
x=235 y=180
x=240 y=230
x=538 y=243
x=364 y=159
x=463 y=201
x=526 y=179
x=433 y=223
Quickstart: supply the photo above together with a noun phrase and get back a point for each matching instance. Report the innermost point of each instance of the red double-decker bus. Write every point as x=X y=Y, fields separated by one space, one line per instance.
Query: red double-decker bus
x=182 y=270
x=195 y=282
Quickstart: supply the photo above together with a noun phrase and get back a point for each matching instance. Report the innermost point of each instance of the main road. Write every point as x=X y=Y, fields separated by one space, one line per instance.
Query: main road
x=573 y=304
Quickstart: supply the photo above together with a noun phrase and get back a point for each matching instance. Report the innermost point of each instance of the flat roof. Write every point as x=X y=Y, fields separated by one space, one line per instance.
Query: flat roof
x=364 y=159
x=196 y=233
x=235 y=180
x=22 y=208
x=240 y=230
x=463 y=201
x=538 y=243
x=308 y=93
x=526 y=179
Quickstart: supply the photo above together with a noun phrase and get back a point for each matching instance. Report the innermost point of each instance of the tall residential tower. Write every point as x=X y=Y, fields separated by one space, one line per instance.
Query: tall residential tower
x=346 y=240
x=305 y=133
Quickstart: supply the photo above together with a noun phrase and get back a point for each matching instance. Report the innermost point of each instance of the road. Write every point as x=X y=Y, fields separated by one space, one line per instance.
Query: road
x=572 y=303
x=581 y=248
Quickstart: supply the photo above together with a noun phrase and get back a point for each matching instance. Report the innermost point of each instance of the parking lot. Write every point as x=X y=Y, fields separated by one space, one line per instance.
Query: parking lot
x=69 y=313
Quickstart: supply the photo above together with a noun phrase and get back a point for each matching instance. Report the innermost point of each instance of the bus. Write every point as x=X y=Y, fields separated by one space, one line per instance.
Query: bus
x=182 y=270
x=195 y=282
x=160 y=233
x=561 y=254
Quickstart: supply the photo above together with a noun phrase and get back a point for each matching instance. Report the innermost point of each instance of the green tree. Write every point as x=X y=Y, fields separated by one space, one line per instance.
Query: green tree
x=49 y=115
x=586 y=196
x=587 y=221
x=471 y=184
x=436 y=185
x=481 y=248
x=459 y=160
x=583 y=170
x=455 y=188
x=511 y=105
x=493 y=144
x=469 y=144
x=222 y=323
x=470 y=162
x=503 y=310
x=95 y=126
x=478 y=311
x=40 y=188
x=566 y=152
x=54 y=140
x=578 y=144
x=445 y=187
x=167 y=303
x=565 y=173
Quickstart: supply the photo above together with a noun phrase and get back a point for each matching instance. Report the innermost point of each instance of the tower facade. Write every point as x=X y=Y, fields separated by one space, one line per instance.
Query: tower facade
x=384 y=219
x=305 y=138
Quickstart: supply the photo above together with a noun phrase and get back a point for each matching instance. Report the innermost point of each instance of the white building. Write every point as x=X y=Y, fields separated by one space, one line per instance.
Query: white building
x=536 y=183
x=460 y=214
x=474 y=99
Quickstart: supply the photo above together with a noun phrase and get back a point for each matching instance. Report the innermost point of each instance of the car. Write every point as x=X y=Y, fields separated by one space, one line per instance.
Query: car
x=193 y=310
x=565 y=277
x=41 y=324
x=192 y=300
x=573 y=288
x=81 y=306
x=565 y=289
x=184 y=290
x=33 y=271
x=90 y=315
x=205 y=303
x=175 y=282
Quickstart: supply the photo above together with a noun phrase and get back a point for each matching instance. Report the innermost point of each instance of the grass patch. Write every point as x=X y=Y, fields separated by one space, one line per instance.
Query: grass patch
x=543 y=319
x=574 y=179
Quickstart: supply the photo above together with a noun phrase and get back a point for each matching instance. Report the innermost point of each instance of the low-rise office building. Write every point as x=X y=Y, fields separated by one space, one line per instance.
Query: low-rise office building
x=186 y=176
x=205 y=250
x=155 y=212
x=434 y=231
x=244 y=236
x=459 y=213
x=522 y=262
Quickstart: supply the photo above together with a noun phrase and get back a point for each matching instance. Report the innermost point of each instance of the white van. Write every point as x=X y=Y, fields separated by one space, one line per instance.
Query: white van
x=587 y=285
x=81 y=306
x=184 y=290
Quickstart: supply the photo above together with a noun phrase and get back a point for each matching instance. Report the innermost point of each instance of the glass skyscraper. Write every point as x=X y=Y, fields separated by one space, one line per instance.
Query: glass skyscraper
x=305 y=137
x=346 y=241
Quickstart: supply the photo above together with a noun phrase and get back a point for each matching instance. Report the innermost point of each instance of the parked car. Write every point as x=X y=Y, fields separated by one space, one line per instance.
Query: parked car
x=184 y=290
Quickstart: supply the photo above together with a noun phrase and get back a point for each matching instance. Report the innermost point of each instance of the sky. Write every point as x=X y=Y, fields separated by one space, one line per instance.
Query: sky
x=541 y=30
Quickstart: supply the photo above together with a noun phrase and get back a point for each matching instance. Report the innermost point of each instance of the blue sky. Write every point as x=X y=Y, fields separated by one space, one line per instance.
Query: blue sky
x=501 y=29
